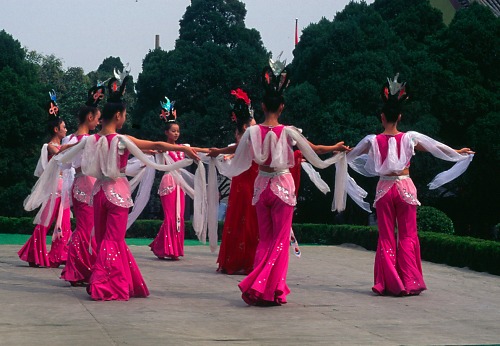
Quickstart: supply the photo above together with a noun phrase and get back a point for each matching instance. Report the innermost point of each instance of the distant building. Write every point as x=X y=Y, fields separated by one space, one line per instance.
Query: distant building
x=494 y=5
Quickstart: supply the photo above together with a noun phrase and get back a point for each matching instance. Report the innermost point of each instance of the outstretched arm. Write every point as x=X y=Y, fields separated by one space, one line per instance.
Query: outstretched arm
x=462 y=151
x=214 y=152
x=163 y=146
x=323 y=149
x=201 y=150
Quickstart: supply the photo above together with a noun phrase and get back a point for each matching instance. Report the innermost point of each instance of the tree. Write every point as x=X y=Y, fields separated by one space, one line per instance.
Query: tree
x=21 y=132
x=214 y=54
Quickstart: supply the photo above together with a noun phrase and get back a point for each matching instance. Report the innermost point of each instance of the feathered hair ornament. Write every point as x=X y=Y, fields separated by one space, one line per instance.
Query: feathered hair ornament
x=118 y=84
x=242 y=108
x=168 y=112
x=393 y=95
x=95 y=95
x=53 y=108
x=275 y=77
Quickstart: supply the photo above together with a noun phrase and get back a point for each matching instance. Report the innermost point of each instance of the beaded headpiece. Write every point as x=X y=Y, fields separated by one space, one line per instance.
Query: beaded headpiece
x=117 y=85
x=95 y=95
x=168 y=113
x=275 y=77
x=242 y=108
x=53 y=108
x=393 y=95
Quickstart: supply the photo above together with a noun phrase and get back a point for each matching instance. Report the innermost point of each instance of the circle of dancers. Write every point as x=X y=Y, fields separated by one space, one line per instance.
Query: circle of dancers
x=89 y=172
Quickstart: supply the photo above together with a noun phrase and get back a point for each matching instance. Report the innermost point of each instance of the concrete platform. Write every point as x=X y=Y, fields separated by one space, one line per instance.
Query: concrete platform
x=190 y=304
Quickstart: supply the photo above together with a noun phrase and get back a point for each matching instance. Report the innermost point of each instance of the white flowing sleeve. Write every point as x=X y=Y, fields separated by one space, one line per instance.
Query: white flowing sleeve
x=48 y=181
x=43 y=161
x=315 y=177
x=242 y=159
x=443 y=152
x=144 y=179
x=200 y=203
x=359 y=160
x=134 y=150
x=339 y=194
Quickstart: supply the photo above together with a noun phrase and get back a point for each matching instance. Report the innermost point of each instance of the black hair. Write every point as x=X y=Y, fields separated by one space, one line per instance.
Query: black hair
x=111 y=108
x=392 y=110
x=272 y=101
x=393 y=94
x=274 y=87
x=53 y=122
x=169 y=125
x=242 y=122
x=240 y=114
x=84 y=111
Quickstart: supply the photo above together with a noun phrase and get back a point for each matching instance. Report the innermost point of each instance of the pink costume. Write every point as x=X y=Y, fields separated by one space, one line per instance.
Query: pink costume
x=170 y=239
x=35 y=250
x=115 y=275
x=82 y=247
x=274 y=199
x=398 y=269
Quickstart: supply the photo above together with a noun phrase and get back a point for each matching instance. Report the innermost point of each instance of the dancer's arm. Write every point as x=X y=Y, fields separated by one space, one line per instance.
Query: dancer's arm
x=201 y=150
x=323 y=149
x=163 y=146
x=462 y=151
x=214 y=152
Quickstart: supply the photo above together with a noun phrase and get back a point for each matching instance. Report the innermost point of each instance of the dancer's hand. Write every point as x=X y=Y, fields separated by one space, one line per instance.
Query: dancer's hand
x=341 y=147
x=191 y=153
x=465 y=151
x=213 y=152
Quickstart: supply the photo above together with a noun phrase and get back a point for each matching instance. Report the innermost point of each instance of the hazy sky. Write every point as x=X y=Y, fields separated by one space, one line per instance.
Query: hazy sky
x=83 y=33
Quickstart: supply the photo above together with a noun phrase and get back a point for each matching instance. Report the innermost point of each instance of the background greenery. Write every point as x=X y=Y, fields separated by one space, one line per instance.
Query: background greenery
x=337 y=71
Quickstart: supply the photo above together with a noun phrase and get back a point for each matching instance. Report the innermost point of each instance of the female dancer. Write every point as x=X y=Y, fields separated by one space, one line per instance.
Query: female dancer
x=270 y=146
x=398 y=269
x=82 y=247
x=240 y=233
x=35 y=250
x=115 y=275
x=169 y=242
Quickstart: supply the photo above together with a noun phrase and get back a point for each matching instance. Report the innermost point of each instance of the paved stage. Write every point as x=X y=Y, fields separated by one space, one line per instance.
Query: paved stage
x=191 y=304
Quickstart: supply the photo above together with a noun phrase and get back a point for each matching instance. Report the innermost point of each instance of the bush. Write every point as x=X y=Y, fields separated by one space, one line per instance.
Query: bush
x=430 y=219
x=477 y=254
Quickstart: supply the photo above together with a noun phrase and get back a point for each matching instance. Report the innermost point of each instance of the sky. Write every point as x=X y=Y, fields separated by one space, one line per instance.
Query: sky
x=83 y=33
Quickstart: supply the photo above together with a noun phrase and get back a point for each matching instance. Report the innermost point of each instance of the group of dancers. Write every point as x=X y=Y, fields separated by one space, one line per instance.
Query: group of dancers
x=90 y=172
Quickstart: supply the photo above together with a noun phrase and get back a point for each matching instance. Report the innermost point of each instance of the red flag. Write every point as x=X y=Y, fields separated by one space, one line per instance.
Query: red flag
x=296 y=31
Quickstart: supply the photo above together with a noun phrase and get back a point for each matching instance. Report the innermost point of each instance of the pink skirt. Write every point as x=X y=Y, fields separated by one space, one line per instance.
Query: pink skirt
x=115 y=275
x=80 y=261
x=169 y=241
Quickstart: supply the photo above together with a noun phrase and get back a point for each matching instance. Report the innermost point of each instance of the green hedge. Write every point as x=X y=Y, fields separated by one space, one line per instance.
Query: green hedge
x=433 y=220
x=477 y=254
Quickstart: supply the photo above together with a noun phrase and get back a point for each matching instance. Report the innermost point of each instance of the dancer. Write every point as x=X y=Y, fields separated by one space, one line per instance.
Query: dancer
x=54 y=208
x=240 y=234
x=82 y=247
x=169 y=242
x=398 y=269
x=270 y=146
x=115 y=275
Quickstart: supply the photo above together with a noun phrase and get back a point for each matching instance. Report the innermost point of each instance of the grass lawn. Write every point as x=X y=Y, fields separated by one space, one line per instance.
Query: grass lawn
x=20 y=239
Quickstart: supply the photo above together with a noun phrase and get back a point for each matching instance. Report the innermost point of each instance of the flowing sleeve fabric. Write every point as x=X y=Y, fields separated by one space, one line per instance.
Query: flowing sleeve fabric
x=443 y=152
x=47 y=187
x=143 y=180
x=43 y=161
x=339 y=195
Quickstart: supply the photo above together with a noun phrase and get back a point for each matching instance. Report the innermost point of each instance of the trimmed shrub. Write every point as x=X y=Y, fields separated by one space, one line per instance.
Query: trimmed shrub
x=474 y=253
x=430 y=219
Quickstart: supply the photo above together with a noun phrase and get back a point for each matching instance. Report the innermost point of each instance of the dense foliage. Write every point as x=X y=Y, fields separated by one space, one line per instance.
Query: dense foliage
x=337 y=72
